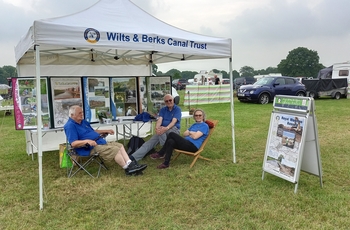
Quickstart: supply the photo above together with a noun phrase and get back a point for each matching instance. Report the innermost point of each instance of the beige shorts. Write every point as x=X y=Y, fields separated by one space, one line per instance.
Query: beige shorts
x=107 y=151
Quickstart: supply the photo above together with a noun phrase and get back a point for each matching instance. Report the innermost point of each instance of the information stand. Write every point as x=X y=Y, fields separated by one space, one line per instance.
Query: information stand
x=292 y=142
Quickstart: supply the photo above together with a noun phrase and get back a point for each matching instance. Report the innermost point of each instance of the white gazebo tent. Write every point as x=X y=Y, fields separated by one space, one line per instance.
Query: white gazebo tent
x=111 y=38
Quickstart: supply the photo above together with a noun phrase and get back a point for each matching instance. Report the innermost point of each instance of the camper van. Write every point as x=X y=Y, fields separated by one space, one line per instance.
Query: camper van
x=331 y=81
x=337 y=70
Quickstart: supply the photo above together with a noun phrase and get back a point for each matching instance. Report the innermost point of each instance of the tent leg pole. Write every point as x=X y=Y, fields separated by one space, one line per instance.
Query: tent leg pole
x=232 y=112
x=39 y=122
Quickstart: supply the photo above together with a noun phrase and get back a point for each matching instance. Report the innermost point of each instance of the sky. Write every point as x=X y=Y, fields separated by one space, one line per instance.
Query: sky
x=263 y=32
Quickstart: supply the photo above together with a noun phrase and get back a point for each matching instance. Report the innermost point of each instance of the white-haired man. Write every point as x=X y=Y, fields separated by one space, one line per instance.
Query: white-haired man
x=85 y=140
x=168 y=121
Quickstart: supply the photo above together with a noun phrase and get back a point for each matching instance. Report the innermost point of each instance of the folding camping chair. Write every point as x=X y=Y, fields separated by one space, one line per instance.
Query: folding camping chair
x=197 y=155
x=82 y=162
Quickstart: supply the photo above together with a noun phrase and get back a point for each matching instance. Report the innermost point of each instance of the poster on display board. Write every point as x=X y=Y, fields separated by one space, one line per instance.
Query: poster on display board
x=96 y=99
x=65 y=93
x=284 y=145
x=124 y=96
x=157 y=88
x=25 y=104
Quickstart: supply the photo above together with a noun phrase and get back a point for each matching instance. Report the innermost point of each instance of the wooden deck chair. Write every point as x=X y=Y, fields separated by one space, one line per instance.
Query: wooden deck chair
x=197 y=154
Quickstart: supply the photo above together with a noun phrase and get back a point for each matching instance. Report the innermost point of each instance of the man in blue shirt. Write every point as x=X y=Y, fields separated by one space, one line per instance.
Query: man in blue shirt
x=168 y=121
x=86 y=141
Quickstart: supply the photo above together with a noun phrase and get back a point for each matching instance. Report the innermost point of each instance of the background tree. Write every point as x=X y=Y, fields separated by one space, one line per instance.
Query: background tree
x=300 y=62
x=174 y=73
x=3 y=79
x=188 y=74
x=266 y=71
x=235 y=74
x=247 y=71
x=224 y=74
x=7 y=71
x=154 y=69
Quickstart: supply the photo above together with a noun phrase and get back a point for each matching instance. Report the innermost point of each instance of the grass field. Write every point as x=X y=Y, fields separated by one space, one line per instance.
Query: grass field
x=211 y=195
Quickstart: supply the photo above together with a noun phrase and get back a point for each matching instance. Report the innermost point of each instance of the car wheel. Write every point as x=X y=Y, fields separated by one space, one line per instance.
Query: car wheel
x=337 y=96
x=301 y=94
x=264 y=98
x=312 y=94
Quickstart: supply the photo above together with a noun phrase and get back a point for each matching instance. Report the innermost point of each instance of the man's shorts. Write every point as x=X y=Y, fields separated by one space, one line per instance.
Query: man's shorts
x=107 y=151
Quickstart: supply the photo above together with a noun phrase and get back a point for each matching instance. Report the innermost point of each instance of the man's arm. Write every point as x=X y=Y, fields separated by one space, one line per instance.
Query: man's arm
x=82 y=143
x=106 y=131
x=159 y=128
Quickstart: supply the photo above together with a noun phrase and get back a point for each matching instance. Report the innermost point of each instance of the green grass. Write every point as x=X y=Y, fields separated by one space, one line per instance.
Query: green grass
x=211 y=195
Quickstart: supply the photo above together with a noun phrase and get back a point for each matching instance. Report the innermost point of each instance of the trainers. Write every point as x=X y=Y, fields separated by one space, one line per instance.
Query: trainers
x=156 y=156
x=134 y=167
x=162 y=166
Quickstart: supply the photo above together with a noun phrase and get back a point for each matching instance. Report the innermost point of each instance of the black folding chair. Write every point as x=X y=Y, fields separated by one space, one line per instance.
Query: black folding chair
x=82 y=162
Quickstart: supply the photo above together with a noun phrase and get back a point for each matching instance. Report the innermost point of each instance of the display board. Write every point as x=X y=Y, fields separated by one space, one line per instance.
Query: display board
x=284 y=145
x=105 y=96
x=65 y=93
x=292 y=143
x=96 y=98
x=124 y=96
x=25 y=104
x=157 y=87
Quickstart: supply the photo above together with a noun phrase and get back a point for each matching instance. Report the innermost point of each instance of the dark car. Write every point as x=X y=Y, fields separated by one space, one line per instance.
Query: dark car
x=179 y=84
x=243 y=81
x=265 y=89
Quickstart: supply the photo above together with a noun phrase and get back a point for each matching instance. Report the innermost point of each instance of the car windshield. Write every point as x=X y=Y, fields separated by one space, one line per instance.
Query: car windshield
x=264 y=81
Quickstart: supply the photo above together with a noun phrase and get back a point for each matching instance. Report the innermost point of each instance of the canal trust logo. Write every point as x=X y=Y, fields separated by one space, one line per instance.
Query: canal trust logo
x=92 y=35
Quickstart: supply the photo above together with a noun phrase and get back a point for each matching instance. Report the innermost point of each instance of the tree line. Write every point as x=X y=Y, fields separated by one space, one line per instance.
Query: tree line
x=300 y=62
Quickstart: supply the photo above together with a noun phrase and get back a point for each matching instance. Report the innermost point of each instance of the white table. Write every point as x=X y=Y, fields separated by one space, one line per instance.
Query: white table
x=7 y=109
x=186 y=116
x=52 y=138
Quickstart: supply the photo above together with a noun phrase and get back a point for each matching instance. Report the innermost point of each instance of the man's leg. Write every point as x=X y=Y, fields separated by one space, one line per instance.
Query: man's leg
x=146 y=147
x=162 y=138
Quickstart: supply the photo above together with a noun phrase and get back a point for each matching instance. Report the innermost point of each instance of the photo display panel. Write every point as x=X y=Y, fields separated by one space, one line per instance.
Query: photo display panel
x=157 y=87
x=25 y=103
x=124 y=96
x=96 y=99
x=284 y=145
x=65 y=93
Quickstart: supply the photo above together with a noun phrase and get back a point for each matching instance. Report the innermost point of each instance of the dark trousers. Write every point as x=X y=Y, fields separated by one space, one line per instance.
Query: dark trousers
x=175 y=141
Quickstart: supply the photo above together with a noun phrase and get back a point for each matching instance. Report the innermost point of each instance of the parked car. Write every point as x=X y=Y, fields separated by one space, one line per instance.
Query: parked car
x=225 y=81
x=264 y=90
x=180 y=84
x=243 y=81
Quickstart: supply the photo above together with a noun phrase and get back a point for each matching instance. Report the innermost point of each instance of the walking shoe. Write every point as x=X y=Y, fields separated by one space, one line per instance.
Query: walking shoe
x=138 y=173
x=162 y=166
x=134 y=168
x=156 y=156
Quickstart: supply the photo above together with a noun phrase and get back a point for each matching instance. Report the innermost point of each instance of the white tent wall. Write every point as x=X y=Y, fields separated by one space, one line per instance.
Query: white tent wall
x=122 y=40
